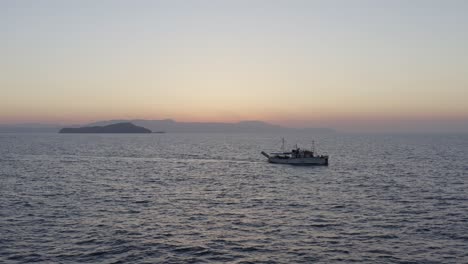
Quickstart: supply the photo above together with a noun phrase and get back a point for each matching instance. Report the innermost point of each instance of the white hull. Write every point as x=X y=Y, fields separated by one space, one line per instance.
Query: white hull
x=296 y=156
x=300 y=161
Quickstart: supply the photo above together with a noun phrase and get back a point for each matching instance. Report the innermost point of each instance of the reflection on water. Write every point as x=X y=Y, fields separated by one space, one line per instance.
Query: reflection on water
x=213 y=198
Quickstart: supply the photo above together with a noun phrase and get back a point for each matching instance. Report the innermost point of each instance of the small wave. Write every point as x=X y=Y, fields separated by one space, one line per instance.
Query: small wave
x=142 y=202
x=323 y=225
x=189 y=249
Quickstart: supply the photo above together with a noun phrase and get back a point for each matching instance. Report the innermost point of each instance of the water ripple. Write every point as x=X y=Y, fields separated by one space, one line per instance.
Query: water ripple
x=202 y=198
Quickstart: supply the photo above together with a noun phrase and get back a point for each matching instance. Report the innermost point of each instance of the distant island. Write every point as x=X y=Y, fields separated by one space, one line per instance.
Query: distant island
x=169 y=125
x=125 y=127
x=165 y=125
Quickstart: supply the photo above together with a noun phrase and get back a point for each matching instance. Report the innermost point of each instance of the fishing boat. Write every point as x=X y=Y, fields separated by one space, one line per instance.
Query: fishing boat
x=296 y=156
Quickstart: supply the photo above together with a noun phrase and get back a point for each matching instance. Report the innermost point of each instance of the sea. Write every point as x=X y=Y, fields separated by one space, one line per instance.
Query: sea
x=213 y=198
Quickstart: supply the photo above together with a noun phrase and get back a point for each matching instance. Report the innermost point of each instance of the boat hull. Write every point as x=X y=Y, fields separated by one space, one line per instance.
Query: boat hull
x=311 y=161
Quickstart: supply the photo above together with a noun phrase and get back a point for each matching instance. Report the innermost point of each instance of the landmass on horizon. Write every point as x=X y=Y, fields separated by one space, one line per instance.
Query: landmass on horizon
x=169 y=125
x=124 y=127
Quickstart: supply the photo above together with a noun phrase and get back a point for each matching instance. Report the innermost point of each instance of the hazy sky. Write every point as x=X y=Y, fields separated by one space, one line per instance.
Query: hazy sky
x=353 y=65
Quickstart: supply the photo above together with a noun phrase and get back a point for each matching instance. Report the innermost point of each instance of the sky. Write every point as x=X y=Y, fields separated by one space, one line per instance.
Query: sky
x=352 y=65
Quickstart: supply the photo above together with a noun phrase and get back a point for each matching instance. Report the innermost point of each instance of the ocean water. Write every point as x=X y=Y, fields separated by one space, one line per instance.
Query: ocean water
x=212 y=198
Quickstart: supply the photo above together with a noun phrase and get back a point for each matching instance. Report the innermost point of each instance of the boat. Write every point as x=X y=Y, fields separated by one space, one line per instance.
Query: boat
x=296 y=156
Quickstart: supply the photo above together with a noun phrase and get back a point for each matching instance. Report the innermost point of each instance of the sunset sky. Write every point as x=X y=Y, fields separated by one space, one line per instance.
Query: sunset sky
x=351 y=65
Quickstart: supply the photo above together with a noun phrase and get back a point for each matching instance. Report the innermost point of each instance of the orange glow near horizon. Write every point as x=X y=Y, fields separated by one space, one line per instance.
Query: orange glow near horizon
x=291 y=63
x=337 y=121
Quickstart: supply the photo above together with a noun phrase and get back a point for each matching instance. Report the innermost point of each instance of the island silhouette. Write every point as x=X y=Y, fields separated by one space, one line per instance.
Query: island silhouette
x=170 y=125
x=166 y=125
x=124 y=127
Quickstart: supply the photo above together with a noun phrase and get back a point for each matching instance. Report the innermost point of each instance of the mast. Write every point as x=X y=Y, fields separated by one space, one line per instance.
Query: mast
x=282 y=145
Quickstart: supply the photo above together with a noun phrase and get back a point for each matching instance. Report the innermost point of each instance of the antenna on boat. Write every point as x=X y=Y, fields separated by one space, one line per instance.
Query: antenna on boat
x=282 y=145
x=313 y=146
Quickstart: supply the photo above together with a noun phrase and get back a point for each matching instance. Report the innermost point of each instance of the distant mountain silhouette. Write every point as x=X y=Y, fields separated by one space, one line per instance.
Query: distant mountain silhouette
x=124 y=127
x=169 y=125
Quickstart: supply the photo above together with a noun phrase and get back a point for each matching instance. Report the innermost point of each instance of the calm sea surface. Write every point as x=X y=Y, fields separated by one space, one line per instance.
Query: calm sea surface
x=195 y=198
